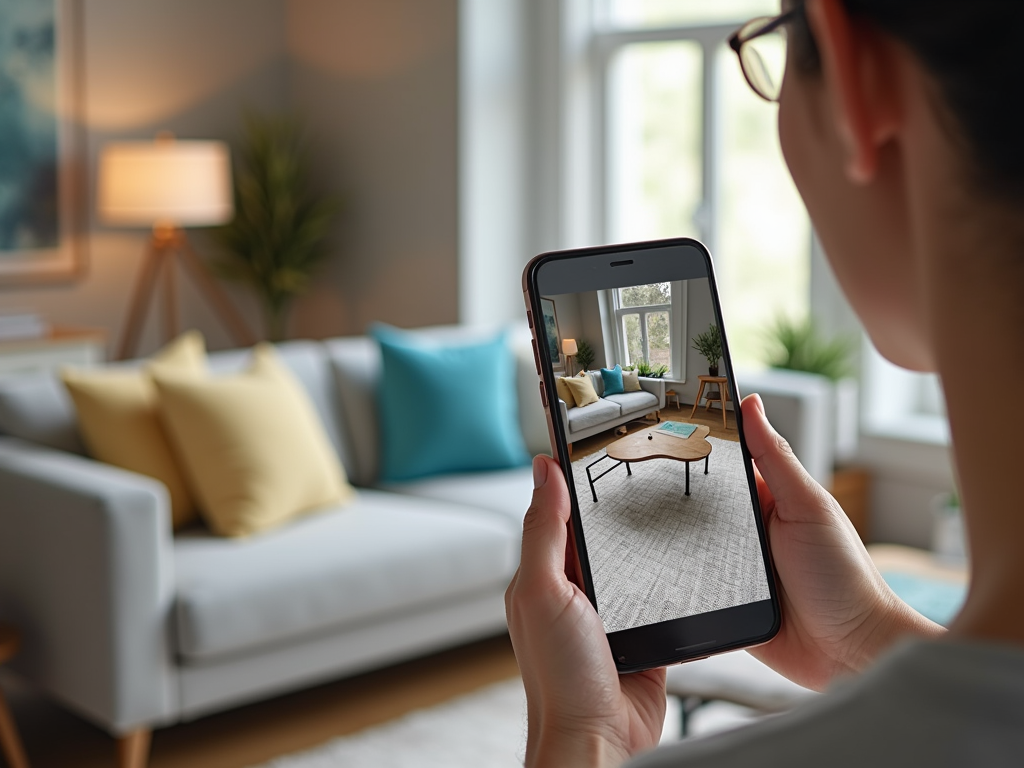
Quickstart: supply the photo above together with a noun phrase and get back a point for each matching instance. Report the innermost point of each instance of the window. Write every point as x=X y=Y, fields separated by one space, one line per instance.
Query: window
x=644 y=320
x=688 y=150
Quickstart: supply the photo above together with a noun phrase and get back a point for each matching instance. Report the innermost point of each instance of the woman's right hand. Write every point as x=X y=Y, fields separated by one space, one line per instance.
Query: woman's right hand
x=838 y=614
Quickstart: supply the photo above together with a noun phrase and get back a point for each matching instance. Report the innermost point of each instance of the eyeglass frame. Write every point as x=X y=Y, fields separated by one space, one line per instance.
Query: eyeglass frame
x=737 y=43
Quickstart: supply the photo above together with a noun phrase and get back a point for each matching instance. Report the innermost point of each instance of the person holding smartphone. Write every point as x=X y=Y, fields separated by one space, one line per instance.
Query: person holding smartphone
x=902 y=123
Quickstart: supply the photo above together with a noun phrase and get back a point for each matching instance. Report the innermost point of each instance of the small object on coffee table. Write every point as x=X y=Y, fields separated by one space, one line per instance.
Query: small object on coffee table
x=9 y=741
x=650 y=437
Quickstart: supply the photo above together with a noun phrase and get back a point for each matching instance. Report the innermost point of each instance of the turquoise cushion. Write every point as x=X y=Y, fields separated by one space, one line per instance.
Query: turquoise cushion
x=612 y=380
x=446 y=407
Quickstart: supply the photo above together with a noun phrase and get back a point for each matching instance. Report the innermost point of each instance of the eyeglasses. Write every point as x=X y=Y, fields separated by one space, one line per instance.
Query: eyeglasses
x=760 y=45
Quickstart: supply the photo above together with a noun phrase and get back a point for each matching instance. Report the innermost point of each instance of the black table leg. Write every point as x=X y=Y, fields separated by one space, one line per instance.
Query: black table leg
x=706 y=463
x=687 y=477
x=629 y=471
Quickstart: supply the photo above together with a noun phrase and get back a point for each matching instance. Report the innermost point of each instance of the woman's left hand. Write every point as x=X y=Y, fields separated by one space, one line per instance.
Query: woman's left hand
x=580 y=710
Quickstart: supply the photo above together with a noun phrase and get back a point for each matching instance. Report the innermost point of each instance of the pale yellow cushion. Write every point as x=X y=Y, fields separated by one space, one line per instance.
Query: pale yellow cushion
x=630 y=381
x=119 y=419
x=583 y=391
x=252 y=447
x=564 y=393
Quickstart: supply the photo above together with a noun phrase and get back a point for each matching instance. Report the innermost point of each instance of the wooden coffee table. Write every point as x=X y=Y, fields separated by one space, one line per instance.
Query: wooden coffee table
x=638 y=447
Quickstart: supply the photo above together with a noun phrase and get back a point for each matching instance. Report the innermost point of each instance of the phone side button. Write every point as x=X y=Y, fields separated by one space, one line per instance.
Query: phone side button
x=543 y=395
x=536 y=356
x=529 y=318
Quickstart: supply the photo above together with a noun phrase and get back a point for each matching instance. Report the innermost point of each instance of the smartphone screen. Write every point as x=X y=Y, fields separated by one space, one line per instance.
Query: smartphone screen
x=667 y=525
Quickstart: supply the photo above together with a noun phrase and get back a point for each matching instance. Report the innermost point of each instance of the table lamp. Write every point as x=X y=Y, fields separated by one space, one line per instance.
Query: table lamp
x=166 y=185
x=569 y=349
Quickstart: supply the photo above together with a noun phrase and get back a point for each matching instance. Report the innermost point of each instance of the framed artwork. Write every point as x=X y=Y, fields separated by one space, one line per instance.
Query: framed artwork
x=554 y=338
x=41 y=152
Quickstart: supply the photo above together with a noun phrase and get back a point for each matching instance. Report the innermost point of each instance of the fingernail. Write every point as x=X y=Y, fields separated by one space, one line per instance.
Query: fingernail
x=759 y=403
x=540 y=471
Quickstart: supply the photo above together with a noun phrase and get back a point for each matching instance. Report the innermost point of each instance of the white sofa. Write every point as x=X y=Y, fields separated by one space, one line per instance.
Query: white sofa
x=611 y=410
x=135 y=628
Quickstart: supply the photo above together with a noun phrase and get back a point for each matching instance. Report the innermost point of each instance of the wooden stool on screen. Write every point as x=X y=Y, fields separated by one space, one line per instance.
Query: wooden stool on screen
x=670 y=396
x=722 y=395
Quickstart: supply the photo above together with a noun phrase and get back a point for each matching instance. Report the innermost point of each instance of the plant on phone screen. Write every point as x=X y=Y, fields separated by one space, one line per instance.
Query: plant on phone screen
x=584 y=355
x=645 y=369
x=709 y=344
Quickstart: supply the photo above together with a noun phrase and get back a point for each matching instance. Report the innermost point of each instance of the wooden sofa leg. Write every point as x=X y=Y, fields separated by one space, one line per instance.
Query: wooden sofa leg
x=133 y=749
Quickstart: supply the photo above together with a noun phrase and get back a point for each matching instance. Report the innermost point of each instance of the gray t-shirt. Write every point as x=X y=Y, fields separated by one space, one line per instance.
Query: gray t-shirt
x=927 y=703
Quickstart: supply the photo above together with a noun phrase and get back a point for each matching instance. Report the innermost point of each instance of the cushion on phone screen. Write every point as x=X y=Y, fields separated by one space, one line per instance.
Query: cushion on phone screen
x=253 y=449
x=630 y=381
x=119 y=418
x=446 y=406
x=612 y=378
x=583 y=391
x=564 y=393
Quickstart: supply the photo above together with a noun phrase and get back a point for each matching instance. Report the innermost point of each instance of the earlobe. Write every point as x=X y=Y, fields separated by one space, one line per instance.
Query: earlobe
x=863 y=113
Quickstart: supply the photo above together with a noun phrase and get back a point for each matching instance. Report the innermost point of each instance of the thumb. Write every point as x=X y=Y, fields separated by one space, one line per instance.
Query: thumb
x=544 y=527
x=791 y=486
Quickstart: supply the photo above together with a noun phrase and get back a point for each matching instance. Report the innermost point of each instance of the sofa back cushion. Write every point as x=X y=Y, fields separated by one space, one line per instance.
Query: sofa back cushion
x=36 y=407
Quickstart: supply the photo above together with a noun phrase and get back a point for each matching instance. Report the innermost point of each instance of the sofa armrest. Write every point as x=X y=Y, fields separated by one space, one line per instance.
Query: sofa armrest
x=86 y=573
x=655 y=386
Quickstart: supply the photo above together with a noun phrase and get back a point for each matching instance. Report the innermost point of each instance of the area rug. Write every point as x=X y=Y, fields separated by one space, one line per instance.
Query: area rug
x=484 y=729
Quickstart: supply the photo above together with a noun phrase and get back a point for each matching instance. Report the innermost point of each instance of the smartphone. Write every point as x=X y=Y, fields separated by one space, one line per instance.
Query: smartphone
x=667 y=538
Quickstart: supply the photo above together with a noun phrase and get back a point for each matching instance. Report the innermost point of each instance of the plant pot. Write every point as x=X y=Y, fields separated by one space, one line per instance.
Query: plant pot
x=712 y=370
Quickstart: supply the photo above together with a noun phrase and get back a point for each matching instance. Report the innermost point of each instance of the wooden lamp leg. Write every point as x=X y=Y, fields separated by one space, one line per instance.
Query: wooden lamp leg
x=133 y=749
x=9 y=740
x=141 y=297
x=215 y=295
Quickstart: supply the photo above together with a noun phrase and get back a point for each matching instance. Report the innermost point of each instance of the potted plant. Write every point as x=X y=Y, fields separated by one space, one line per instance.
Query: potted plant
x=709 y=344
x=645 y=369
x=584 y=355
x=279 y=234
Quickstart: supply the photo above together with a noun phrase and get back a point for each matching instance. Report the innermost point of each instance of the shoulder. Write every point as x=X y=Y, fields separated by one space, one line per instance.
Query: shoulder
x=935 y=704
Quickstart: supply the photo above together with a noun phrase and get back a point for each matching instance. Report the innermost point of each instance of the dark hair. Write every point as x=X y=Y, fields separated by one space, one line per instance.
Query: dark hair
x=975 y=52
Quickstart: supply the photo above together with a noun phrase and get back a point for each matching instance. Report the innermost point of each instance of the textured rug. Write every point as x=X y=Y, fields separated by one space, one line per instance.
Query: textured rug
x=657 y=554
x=485 y=729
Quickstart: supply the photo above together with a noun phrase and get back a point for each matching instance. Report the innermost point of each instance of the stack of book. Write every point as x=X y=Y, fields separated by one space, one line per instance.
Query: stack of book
x=22 y=325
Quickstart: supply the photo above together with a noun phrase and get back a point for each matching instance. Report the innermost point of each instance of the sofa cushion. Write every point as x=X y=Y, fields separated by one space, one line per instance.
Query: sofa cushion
x=119 y=418
x=36 y=407
x=446 y=406
x=308 y=361
x=635 y=401
x=582 y=389
x=612 y=378
x=630 y=381
x=592 y=415
x=506 y=493
x=252 y=446
x=382 y=554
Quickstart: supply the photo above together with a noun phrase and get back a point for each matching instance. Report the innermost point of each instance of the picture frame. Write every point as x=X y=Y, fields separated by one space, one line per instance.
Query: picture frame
x=552 y=334
x=42 y=218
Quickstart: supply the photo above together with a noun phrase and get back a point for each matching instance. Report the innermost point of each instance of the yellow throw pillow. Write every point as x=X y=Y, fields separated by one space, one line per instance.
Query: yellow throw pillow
x=251 y=445
x=564 y=393
x=630 y=381
x=583 y=391
x=120 y=423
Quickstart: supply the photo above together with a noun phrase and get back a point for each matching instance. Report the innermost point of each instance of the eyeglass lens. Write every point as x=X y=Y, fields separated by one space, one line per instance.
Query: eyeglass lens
x=764 y=59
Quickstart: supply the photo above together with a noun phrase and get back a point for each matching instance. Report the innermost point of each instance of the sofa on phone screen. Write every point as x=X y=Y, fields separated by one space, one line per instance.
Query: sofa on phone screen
x=135 y=627
x=610 y=410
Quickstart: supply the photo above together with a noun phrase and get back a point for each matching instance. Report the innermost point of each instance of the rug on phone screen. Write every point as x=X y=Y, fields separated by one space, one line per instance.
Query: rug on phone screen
x=657 y=554
x=484 y=729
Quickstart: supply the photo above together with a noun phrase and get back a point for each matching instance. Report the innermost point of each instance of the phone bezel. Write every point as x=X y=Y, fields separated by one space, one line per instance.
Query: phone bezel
x=675 y=640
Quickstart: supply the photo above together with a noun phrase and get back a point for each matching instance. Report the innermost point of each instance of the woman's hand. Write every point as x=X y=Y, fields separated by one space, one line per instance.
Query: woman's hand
x=580 y=710
x=838 y=614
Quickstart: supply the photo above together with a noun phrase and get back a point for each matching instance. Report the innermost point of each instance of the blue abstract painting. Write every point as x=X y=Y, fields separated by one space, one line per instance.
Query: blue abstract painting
x=29 y=127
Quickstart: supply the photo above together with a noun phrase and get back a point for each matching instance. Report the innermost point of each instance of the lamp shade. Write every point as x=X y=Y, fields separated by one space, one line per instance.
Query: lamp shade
x=569 y=347
x=165 y=182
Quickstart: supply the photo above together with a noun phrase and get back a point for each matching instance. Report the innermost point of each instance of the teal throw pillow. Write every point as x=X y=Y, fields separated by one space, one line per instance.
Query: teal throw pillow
x=612 y=379
x=446 y=406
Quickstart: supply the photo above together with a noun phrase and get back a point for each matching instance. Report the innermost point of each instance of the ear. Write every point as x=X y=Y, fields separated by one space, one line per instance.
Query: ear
x=857 y=65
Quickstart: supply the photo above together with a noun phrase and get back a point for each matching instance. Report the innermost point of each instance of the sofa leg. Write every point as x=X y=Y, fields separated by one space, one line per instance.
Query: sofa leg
x=133 y=749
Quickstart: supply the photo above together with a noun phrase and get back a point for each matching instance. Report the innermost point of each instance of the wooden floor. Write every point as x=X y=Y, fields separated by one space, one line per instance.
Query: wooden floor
x=55 y=738
x=713 y=418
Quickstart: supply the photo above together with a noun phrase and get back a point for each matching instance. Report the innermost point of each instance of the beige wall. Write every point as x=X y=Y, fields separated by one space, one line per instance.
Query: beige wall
x=378 y=84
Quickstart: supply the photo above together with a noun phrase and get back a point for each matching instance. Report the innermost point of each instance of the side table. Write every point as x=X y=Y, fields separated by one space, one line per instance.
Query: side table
x=9 y=741
x=722 y=399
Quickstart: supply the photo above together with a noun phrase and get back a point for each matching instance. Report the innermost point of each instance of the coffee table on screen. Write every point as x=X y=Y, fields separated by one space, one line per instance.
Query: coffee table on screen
x=638 y=447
